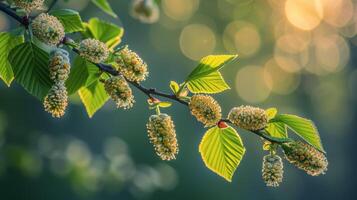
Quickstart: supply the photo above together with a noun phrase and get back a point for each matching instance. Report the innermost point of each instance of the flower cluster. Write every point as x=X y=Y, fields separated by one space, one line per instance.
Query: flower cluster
x=131 y=65
x=48 y=29
x=162 y=134
x=59 y=66
x=93 y=50
x=305 y=157
x=206 y=109
x=272 y=171
x=56 y=100
x=29 y=5
x=119 y=90
x=248 y=117
x=147 y=11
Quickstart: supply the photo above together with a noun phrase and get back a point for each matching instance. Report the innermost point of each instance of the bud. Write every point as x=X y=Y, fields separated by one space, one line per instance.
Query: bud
x=248 y=117
x=162 y=134
x=305 y=157
x=56 y=100
x=59 y=66
x=119 y=91
x=205 y=109
x=29 y=5
x=131 y=65
x=93 y=50
x=272 y=172
x=147 y=11
x=48 y=29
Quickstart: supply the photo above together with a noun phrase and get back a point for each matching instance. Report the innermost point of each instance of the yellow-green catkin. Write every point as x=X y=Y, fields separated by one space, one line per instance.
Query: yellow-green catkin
x=120 y=92
x=162 y=134
x=56 y=100
x=59 y=66
x=29 y=5
x=206 y=109
x=272 y=170
x=93 y=50
x=131 y=65
x=146 y=11
x=305 y=157
x=48 y=29
x=248 y=117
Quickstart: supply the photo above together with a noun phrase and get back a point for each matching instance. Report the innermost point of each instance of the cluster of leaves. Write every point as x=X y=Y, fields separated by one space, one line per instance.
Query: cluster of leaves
x=26 y=62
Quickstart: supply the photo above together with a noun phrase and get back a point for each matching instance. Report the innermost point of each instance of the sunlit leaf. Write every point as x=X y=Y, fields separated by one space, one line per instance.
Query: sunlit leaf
x=165 y=104
x=205 y=78
x=277 y=129
x=105 y=6
x=304 y=128
x=174 y=87
x=222 y=150
x=30 y=66
x=93 y=97
x=7 y=42
x=70 y=19
x=271 y=112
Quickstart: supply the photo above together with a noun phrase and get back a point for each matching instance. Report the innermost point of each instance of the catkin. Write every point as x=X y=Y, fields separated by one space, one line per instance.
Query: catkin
x=248 y=117
x=120 y=92
x=131 y=65
x=305 y=157
x=29 y=5
x=59 y=66
x=162 y=134
x=48 y=29
x=56 y=100
x=93 y=50
x=272 y=170
x=206 y=109
x=145 y=10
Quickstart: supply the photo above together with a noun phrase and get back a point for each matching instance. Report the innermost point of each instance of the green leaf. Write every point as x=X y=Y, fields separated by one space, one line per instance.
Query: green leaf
x=206 y=78
x=93 y=97
x=30 y=65
x=271 y=112
x=7 y=42
x=304 y=128
x=106 y=32
x=277 y=129
x=105 y=6
x=70 y=19
x=165 y=104
x=174 y=86
x=222 y=150
x=83 y=73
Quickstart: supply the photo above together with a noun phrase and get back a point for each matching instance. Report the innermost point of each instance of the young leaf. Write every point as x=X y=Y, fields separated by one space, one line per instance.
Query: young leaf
x=106 y=32
x=304 y=128
x=277 y=129
x=70 y=19
x=271 y=112
x=206 y=78
x=30 y=65
x=165 y=104
x=222 y=150
x=174 y=87
x=105 y=6
x=7 y=43
x=83 y=73
x=93 y=97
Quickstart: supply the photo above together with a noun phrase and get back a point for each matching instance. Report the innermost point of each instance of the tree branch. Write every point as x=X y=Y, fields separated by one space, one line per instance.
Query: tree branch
x=148 y=91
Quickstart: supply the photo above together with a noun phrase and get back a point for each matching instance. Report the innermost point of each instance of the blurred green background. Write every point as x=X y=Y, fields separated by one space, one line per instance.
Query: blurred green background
x=296 y=55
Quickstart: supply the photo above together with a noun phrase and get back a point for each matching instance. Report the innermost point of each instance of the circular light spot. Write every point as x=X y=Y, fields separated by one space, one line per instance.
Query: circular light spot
x=337 y=12
x=197 y=41
x=251 y=84
x=242 y=38
x=304 y=14
x=280 y=81
x=180 y=9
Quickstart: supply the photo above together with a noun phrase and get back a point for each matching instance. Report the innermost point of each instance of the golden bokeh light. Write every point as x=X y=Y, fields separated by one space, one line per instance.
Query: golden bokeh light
x=304 y=14
x=278 y=80
x=293 y=43
x=242 y=38
x=337 y=12
x=197 y=41
x=251 y=84
x=180 y=10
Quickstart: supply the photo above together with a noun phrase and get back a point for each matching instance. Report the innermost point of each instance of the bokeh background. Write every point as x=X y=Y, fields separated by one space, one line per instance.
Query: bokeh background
x=296 y=55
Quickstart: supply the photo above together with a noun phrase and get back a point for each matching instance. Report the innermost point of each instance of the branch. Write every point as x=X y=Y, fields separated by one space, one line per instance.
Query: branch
x=53 y=3
x=148 y=91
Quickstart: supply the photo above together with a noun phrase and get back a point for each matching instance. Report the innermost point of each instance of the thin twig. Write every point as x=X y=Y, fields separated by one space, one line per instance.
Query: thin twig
x=148 y=91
